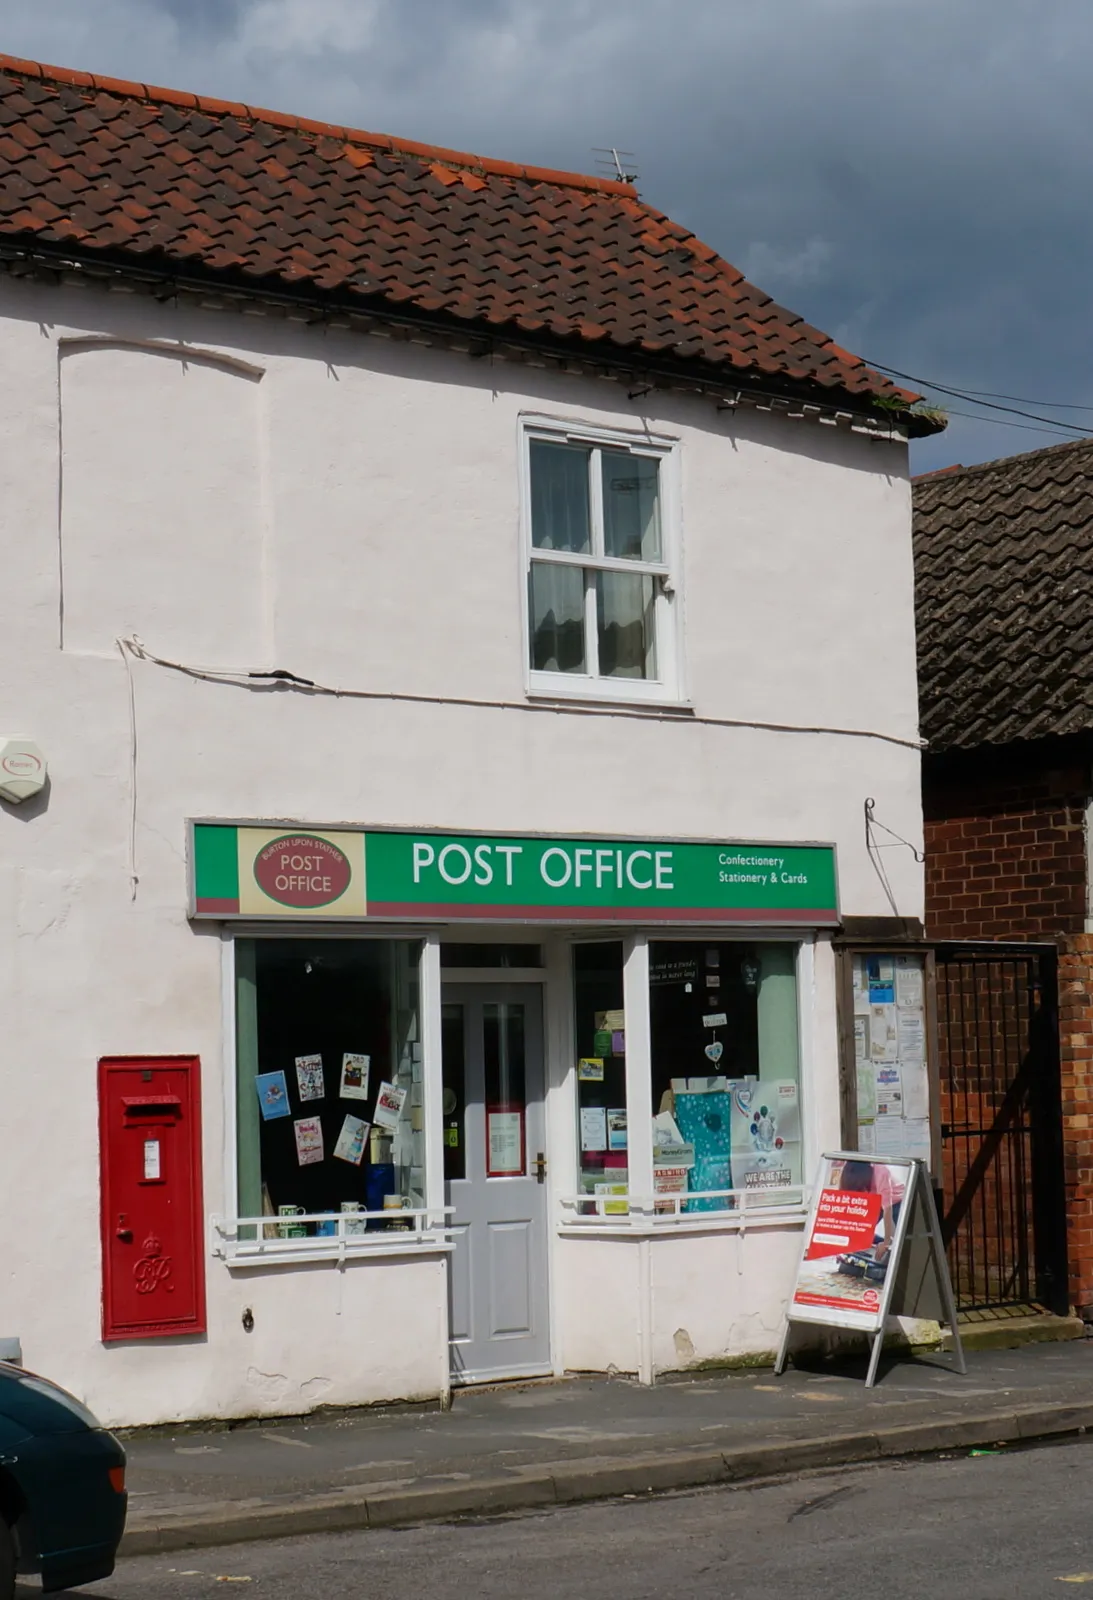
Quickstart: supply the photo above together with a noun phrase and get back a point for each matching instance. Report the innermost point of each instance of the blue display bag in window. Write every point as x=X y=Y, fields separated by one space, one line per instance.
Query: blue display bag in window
x=703 y=1120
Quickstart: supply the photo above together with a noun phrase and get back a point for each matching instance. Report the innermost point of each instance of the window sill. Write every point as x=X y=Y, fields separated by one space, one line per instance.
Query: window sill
x=646 y=1221
x=594 y=695
x=426 y=1235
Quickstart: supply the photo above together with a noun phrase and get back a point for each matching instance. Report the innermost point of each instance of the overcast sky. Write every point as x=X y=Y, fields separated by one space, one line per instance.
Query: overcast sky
x=914 y=179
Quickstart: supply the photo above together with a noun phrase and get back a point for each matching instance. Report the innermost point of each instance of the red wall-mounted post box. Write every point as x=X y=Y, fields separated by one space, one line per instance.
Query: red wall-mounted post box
x=153 y=1257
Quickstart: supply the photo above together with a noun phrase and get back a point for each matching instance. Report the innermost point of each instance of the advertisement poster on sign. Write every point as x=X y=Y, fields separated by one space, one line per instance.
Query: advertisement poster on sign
x=852 y=1233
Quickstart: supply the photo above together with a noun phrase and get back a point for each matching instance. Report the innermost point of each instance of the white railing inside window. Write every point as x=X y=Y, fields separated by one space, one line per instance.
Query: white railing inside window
x=242 y=1241
x=734 y=1209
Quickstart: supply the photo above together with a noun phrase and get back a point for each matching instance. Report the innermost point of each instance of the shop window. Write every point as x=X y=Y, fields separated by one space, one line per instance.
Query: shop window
x=601 y=1073
x=491 y=955
x=601 y=606
x=330 y=1105
x=725 y=1070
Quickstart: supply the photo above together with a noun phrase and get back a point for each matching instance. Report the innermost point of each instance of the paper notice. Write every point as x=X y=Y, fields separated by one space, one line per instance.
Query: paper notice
x=883 y=1034
x=593 y=1128
x=916 y=1091
x=867 y=1143
x=911 y=1033
x=867 y=1091
x=909 y=981
x=917 y=1138
x=889 y=1084
x=890 y=1135
x=861 y=988
x=505 y=1138
x=861 y=1040
x=881 y=977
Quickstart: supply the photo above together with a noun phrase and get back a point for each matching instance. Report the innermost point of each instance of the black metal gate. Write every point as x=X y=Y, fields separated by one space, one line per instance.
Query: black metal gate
x=1004 y=1214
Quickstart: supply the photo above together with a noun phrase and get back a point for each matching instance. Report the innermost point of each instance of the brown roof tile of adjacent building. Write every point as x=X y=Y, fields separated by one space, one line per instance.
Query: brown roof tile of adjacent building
x=1004 y=598
x=93 y=166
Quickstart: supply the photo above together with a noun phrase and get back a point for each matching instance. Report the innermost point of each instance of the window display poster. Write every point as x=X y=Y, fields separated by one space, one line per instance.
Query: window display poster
x=389 y=1103
x=351 y=1140
x=505 y=1141
x=309 y=1076
x=850 y=1242
x=612 y=1021
x=272 y=1095
x=309 y=1140
x=590 y=1069
x=613 y=1208
x=601 y=1042
x=616 y=1129
x=765 y=1134
x=703 y=1120
x=593 y=1128
x=354 y=1085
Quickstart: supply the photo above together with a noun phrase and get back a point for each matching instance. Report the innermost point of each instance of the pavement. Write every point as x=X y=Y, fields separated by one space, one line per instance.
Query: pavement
x=517 y=1447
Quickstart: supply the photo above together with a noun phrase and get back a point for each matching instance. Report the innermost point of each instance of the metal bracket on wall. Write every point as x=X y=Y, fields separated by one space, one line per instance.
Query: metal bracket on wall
x=870 y=841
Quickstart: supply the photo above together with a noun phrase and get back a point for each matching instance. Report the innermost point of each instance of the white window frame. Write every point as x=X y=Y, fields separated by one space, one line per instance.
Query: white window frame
x=667 y=688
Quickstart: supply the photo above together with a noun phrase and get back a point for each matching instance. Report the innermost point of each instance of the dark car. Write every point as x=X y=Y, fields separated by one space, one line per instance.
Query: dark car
x=62 y=1486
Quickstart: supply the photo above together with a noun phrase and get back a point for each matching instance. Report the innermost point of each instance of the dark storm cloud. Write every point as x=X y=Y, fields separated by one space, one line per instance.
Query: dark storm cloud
x=912 y=179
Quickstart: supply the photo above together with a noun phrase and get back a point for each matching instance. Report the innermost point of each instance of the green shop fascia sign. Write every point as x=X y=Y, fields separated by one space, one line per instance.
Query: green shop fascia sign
x=266 y=870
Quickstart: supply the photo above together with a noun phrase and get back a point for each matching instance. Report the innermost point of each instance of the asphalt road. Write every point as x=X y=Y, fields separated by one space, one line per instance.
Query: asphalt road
x=987 y=1527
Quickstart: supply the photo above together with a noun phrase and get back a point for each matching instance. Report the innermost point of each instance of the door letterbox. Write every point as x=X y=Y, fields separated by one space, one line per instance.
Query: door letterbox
x=153 y=1259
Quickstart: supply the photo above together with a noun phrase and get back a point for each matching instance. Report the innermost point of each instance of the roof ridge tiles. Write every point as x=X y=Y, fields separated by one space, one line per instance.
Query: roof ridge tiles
x=211 y=106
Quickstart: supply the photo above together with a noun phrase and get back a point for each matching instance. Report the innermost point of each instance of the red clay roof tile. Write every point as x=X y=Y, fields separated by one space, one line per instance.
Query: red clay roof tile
x=234 y=189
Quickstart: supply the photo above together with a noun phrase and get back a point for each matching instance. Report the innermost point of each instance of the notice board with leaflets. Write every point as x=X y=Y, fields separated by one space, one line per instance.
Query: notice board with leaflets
x=872 y=1249
x=889 y=1056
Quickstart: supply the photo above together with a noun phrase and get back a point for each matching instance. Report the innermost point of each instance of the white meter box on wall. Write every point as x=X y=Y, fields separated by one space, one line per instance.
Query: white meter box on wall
x=22 y=769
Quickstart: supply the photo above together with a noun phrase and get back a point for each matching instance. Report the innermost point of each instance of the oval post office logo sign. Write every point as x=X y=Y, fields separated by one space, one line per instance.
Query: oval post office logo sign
x=302 y=870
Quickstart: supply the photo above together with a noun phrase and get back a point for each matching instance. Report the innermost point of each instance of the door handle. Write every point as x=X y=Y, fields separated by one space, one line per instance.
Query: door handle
x=540 y=1168
x=122 y=1232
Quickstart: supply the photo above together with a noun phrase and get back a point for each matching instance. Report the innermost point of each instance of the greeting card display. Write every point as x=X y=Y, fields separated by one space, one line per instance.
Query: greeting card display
x=389 y=1103
x=309 y=1076
x=272 y=1095
x=309 y=1140
x=355 y=1077
x=351 y=1140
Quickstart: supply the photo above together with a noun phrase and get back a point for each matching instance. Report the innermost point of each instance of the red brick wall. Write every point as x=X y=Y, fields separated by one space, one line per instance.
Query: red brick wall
x=1006 y=859
x=1076 y=1041
x=1005 y=852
